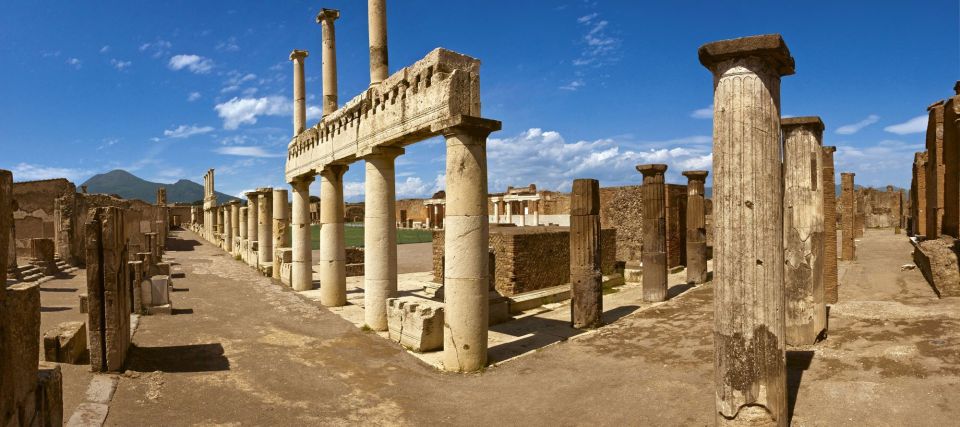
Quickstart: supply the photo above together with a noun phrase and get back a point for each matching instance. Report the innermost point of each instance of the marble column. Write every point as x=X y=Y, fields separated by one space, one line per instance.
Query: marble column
x=586 y=280
x=302 y=250
x=829 y=227
x=253 y=228
x=696 y=227
x=466 y=239
x=750 y=358
x=379 y=236
x=281 y=227
x=227 y=228
x=333 y=258
x=244 y=233
x=265 y=226
x=234 y=224
x=299 y=92
x=377 y=23
x=806 y=312
x=654 y=255
x=848 y=206
x=329 y=58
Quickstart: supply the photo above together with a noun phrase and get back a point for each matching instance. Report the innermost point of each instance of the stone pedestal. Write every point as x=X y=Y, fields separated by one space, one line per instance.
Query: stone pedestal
x=696 y=227
x=848 y=201
x=586 y=280
x=333 y=275
x=654 y=254
x=830 y=294
x=302 y=256
x=750 y=368
x=379 y=236
x=67 y=343
x=416 y=323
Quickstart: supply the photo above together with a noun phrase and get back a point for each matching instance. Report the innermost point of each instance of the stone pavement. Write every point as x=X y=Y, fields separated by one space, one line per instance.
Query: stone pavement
x=242 y=349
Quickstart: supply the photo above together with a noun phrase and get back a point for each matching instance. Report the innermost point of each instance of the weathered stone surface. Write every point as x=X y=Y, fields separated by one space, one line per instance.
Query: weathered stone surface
x=43 y=253
x=415 y=323
x=21 y=344
x=696 y=227
x=333 y=262
x=848 y=201
x=586 y=280
x=654 y=233
x=935 y=170
x=951 y=167
x=49 y=396
x=6 y=255
x=380 y=236
x=830 y=294
x=937 y=260
x=108 y=290
x=750 y=358
x=66 y=343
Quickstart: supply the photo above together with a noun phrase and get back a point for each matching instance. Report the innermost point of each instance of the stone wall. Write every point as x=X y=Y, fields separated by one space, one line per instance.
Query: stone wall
x=622 y=208
x=676 y=210
x=178 y=215
x=881 y=208
x=34 y=212
x=413 y=209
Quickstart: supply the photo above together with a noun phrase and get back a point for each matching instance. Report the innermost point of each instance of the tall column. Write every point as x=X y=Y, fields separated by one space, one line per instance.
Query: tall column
x=934 y=170
x=302 y=250
x=830 y=295
x=329 y=58
x=333 y=258
x=227 y=228
x=586 y=280
x=536 y=212
x=377 y=22
x=466 y=239
x=244 y=228
x=654 y=256
x=696 y=227
x=234 y=223
x=951 y=166
x=919 y=200
x=379 y=236
x=750 y=358
x=253 y=228
x=265 y=226
x=281 y=227
x=299 y=92
x=848 y=204
x=509 y=212
x=806 y=315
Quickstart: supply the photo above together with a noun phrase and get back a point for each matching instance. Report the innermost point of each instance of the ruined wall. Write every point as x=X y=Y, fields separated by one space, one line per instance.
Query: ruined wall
x=178 y=215
x=34 y=214
x=622 y=208
x=414 y=210
x=353 y=212
x=676 y=214
x=880 y=208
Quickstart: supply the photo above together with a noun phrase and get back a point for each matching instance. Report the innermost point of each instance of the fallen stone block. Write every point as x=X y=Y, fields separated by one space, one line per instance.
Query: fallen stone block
x=415 y=323
x=937 y=260
x=66 y=343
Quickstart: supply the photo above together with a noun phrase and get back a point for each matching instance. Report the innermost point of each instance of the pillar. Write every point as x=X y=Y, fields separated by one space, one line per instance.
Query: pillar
x=586 y=280
x=523 y=212
x=536 y=212
x=333 y=258
x=496 y=211
x=253 y=228
x=299 y=92
x=830 y=295
x=918 y=198
x=806 y=315
x=749 y=352
x=696 y=227
x=227 y=228
x=934 y=170
x=654 y=255
x=265 y=226
x=302 y=251
x=244 y=227
x=329 y=58
x=377 y=23
x=848 y=204
x=379 y=235
x=951 y=167
x=281 y=226
x=466 y=239
x=509 y=212
x=234 y=222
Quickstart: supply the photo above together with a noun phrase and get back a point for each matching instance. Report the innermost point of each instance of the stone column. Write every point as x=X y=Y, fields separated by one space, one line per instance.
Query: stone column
x=750 y=358
x=654 y=256
x=377 y=21
x=302 y=251
x=227 y=228
x=252 y=226
x=265 y=226
x=934 y=171
x=951 y=166
x=234 y=222
x=536 y=211
x=918 y=199
x=281 y=226
x=244 y=227
x=329 y=58
x=848 y=204
x=379 y=236
x=299 y=92
x=333 y=258
x=696 y=227
x=523 y=213
x=806 y=315
x=496 y=212
x=586 y=280
x=829 y=227
x=509 y=212
x=466 y=239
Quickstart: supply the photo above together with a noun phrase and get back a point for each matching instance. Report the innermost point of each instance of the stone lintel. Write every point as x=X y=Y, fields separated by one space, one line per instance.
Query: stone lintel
x=461 y=121
x=264 y=190
x=829 y=149
x=769 y=47
x=813 y=122
x=652 y=169
x=851 y=174
x=331 y=14
x=298 y=54
x=935 y=105
x=233 y=202
x=380 y=150
x=695 y=175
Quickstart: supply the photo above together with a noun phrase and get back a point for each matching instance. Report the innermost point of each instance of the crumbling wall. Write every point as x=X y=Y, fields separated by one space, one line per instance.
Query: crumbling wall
x=622 y=208
x=881 y=208
x=413 y=209
x=34 y=215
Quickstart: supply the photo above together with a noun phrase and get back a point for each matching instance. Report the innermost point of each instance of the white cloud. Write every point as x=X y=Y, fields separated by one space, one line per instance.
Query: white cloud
x=353 y=190
x=703 y=113
x=573 y=85
x=75 y=63
x=193 y=96
x=195 y=63
x=239 y=111
x=247 y=151
x=235 y=79
x=158 y=48
x=120 y=64
x=878 y=165
x=31 y=172
x=856 y=127
x=915 y=125
x=52 y=54
x=105 y=49
x=185 y=131
x=599 y=48
x=230 y=45
x=587 y=18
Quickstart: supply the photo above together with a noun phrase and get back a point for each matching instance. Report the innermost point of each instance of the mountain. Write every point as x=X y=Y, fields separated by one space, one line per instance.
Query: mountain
x=129 y=186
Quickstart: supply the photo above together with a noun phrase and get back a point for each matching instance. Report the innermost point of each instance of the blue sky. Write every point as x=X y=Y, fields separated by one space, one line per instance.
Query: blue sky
x=168 y=89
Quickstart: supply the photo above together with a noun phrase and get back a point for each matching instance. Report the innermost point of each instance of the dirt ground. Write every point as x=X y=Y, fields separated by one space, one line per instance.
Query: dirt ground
x=241 y=349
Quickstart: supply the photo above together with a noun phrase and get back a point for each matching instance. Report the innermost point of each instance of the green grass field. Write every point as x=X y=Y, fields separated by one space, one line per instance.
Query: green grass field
x=353 y=234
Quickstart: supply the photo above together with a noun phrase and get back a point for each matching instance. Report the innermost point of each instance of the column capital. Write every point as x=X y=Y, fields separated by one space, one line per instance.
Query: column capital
x=334 y=171
x=328 y=14
x=306 y=178
x=298 y=54
x=652 y=169
x=809 y=122
x=462 y=123
x=847 y=174
x=769 y=48
x=380 y=151
x=697 y=175
x=829 y=149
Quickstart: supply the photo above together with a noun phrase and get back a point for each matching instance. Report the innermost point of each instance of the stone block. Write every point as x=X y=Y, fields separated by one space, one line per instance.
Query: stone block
x=163 y=269
x=108 y=289
x=937 y=259
x=21 y=340
x=43 y=252
x=155 y=291
x=66 y=343
x=49 y=396
x=415 y=323
x=353 y=270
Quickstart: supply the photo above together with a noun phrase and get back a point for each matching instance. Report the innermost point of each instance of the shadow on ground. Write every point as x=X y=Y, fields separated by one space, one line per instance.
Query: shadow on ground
x=178 y=358
x=797 y=362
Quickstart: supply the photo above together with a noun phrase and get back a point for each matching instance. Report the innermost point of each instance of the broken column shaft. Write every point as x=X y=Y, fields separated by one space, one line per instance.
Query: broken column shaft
x=377 y=22
x=848 y=204
x=654 y=255
x=333 y=258
x=749 y=348
x=299 y=92
x=696 y=227
x=301 y=256
x=379 y=236
x=325 y=18
x=586 y=280
x=830 y=295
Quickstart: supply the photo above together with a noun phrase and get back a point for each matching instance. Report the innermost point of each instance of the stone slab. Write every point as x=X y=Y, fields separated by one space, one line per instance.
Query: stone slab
x=415 y=323
x=89 y=414
x=937 y=259
x=66 y=343
x=49 y=395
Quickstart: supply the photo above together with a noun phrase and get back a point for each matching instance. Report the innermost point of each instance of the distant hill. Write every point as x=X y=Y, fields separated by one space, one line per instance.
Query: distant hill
x=129 y=186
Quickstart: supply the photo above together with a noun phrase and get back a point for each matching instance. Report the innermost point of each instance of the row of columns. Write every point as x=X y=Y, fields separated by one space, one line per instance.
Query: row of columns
x=506 y=209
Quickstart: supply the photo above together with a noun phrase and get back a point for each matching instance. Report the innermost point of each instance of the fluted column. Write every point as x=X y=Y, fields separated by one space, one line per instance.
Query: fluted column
x=848 y=200
x=227 y=228
x=265 y=226
x=750 y=358
x=377 y=22
x=379 y=236
x=806 y=315
x=299 y=92
x=696 y=227
x=654 y=256
x=234 y=223
x=281 y=227
x=302 y=250
x=333 y=259
x=253 y=228
x=829 y=227
x=325 y=18
x=586 y=280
